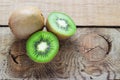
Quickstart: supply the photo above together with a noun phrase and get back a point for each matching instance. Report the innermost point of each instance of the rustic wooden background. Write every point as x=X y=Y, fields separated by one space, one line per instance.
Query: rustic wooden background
x=91 y=54
x=84 y=12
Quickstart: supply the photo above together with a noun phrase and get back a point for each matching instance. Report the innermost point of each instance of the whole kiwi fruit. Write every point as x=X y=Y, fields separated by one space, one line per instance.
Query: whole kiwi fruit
x=25 y=21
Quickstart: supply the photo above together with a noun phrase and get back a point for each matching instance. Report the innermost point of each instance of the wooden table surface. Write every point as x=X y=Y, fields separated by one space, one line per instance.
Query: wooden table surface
x=84 y=12
x=91 y=54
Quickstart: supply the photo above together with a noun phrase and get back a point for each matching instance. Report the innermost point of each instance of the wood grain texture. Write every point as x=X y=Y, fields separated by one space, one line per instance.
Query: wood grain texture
x=83 y=12
x=70 y=63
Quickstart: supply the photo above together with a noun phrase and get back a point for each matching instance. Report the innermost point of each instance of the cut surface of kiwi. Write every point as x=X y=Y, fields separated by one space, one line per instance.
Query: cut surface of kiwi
x=42 y=46
x=61 y=25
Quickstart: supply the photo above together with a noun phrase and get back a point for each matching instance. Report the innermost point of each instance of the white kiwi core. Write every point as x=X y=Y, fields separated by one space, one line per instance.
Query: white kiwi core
x=61 y=23
x=42 y=46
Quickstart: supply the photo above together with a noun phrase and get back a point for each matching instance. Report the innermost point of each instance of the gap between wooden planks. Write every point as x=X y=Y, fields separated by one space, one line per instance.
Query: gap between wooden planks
x=85 y=26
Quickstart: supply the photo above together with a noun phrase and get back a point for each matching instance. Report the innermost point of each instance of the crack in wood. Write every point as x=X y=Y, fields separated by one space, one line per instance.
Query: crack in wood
x=94 y=48
x=15 y=57
x=109 y=43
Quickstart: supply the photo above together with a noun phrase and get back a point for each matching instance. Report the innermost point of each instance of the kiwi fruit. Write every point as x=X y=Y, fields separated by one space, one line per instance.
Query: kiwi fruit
x=25 y=21
x=42 y=46
x=61 y=25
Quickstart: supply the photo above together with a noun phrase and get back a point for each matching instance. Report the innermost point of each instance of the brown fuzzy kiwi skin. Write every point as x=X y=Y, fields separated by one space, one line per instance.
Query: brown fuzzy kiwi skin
x=25 y=21
x=60 y=36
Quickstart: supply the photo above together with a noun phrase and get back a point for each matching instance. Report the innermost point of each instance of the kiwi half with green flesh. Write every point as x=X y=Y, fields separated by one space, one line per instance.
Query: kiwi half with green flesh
x=61 y=25
x=42 y=46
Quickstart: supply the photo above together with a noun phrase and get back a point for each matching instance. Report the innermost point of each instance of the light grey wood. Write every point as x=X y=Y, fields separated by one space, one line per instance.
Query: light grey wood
x=83 y=12
x=70 y=63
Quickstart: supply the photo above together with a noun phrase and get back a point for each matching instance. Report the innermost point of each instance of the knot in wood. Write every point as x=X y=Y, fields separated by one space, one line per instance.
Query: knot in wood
x=94 y=47
x=18 y=61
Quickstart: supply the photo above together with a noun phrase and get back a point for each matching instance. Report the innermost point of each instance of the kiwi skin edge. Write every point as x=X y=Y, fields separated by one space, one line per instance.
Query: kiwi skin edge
x=50 y=29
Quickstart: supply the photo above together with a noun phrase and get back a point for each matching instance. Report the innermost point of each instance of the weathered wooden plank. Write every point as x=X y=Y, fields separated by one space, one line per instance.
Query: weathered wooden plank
x=84 y=12
x=71 y=62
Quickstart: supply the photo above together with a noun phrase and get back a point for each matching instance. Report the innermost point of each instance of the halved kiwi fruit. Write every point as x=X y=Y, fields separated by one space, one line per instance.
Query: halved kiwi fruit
x=61 y=25
x=42 y=46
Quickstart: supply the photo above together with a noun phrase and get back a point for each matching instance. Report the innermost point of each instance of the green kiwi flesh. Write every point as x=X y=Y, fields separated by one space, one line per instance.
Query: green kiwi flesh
x=42 y=46
x=61 y=25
